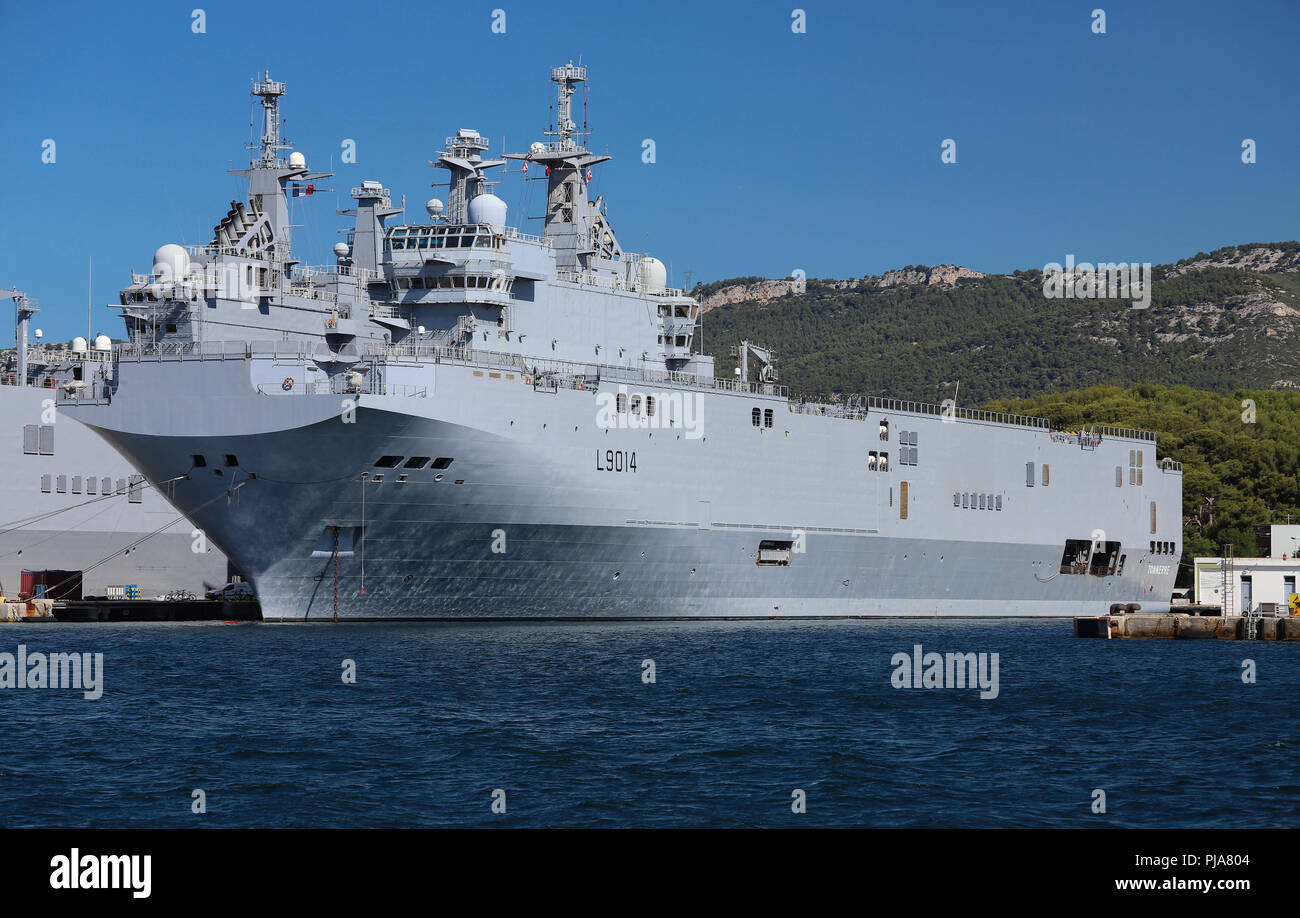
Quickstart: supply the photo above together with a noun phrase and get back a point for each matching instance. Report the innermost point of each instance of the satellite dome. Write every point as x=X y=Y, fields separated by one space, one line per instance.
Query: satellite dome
x=433 y=206
x=39 y=334
x=488 y=208
x=341 y=249
x=78 y=345
x=538 y=147
x=654 y=276
x=297 y=160
x=103 y=343
x=171 y=262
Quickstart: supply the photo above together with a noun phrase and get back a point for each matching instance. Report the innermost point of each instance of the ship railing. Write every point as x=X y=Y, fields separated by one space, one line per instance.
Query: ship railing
x=386 y=311
x=383 y=194
x=309 y=291
x=97 y=390
x=587 y=372
x=1123 y=433
x=589 y=278
x=45 y=355
x=828 y=409
x=882 y=403
x=213 y=350
x=1170 y=465
x=513 y=233
x=329 y=272
x=339 y=385
x=9 y=377
x=211 y=249
x=272 y=255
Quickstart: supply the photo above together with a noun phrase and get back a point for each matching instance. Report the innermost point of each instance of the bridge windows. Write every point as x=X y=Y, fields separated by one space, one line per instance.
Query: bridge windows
x=767 y=417
x=387 y=462
x=409 y=238
x=416 y=462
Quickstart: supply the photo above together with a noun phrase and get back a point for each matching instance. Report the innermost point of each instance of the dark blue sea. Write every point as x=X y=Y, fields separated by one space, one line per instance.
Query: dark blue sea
x=559 y=718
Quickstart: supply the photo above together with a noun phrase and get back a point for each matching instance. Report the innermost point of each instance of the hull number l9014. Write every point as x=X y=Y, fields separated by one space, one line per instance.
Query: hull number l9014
x=615 y=460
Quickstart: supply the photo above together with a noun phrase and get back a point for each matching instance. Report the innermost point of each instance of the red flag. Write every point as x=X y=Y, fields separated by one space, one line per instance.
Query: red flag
x=589 y=175
x=548 y=170
x=524 y=168
x=311 y=189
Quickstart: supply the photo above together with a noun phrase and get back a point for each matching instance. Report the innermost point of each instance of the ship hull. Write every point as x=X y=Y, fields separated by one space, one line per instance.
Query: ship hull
x=532 y=521
x=67 y=507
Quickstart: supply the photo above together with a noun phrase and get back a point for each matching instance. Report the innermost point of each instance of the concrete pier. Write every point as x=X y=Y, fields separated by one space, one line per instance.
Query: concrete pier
x=1181 y=626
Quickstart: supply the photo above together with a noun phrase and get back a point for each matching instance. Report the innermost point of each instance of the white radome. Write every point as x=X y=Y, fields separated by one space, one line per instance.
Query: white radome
x=654 y=276
x=341 y=249
x=488 y=208
x=538 y=147
x=171 y=262
x=297 y=160
x=433 y=206
x=78 y=345
x=103 y=343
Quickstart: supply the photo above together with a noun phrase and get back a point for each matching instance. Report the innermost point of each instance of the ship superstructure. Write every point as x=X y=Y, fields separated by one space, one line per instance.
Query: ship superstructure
x=458 y=419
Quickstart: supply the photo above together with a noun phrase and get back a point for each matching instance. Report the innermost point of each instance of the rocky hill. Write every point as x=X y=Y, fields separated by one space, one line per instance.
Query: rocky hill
x=1218 y=321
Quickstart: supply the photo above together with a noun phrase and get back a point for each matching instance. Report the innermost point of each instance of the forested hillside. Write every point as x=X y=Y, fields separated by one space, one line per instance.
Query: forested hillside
x=1219 y=322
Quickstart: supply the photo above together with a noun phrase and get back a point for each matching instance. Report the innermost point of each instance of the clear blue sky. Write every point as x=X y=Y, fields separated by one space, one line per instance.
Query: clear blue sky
x=775 y=150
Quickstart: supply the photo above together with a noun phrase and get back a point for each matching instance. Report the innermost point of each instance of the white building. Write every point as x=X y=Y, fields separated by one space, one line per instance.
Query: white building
x=1259 y=585
x=1284 y=541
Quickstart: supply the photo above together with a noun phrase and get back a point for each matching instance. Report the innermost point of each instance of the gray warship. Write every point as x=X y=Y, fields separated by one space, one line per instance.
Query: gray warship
x=70 y=501
x=460 y=420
